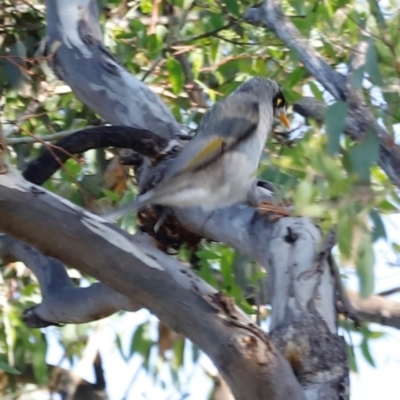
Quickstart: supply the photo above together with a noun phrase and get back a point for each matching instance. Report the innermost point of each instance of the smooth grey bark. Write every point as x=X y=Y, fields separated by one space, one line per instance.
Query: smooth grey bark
x=75 y=48
x=245 y=356
x=62 y=302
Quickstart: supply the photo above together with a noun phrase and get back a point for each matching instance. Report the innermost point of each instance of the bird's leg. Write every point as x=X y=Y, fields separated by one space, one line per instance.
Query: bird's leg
x=278 y=210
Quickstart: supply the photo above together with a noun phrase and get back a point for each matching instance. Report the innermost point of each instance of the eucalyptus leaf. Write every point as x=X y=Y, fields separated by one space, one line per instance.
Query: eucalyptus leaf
x=379 y=229
x=335 y=119
x=364 y=154
x=372 y=66
x=176 y=75
x=365 y=268
x=8 y=368
x=366 y=352
x=232 y=6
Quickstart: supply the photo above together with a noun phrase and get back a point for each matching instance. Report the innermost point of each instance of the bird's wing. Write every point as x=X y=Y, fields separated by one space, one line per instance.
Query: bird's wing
x=222 y=127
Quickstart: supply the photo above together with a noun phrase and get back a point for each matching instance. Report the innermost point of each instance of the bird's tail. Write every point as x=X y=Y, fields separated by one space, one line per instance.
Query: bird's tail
x=132 y=207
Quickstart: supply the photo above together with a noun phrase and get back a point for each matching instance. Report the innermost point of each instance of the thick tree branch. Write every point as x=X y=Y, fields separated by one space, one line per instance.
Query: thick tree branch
x=360 y=116
x=62 y=301
x=301 y=295
x=141 y=140
x=245 y=356
x=82 y=61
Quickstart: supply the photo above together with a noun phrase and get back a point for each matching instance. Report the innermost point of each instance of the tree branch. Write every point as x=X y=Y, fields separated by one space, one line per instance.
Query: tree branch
x=41 y=138
x=377 y=309
x=245 y=356
x=95 y=76
x=141 y=140
x=62 y=302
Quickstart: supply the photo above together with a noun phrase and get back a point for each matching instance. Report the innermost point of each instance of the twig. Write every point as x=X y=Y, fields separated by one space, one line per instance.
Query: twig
x=389 y=292
x=207 y=34
x=324 y=252
x=44 y=138
x=343 y=304
x=236 y=42
x=141 y=140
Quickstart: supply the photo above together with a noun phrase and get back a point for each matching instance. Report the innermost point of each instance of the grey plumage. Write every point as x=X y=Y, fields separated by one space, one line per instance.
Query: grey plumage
x=218 y=166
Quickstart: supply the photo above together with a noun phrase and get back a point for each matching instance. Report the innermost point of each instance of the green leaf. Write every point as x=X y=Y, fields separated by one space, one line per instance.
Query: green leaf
x=375 y=334
x=335 y=119
x=232 y=6
x=179 y=347
x=396 y=247
x=294 y=77
x=365 y=268
x=8 y=368
x=364 y=154
x=344 y=233
x=351 y=358
x=366 y=353
x=357 y=77
x=176 y=75
x=304 y=194
x=14 y=64
x=379 y=229
x=146 y=6
x=316 y=91
x=40 y=368
x=141 y=342
x=375 y=10
x=118 y=342
x=195 y=353
x=226 y=268
x=372 y=66
x=387 y=206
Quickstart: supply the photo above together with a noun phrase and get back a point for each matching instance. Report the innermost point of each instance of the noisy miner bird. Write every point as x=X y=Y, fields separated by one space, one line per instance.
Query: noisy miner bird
x=218 y=166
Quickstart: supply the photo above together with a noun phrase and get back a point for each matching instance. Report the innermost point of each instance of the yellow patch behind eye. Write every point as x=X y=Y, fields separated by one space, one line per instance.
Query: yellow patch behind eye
x=278 y=102
x=208 y=150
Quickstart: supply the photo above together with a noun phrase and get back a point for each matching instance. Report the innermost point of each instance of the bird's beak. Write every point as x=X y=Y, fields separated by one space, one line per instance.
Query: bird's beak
x=281 y=114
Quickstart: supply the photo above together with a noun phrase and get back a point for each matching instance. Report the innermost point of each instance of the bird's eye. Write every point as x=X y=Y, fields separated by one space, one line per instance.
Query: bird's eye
x=279 y=101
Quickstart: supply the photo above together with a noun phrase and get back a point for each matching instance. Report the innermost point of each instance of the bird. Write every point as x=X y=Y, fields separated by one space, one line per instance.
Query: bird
x=218 y=166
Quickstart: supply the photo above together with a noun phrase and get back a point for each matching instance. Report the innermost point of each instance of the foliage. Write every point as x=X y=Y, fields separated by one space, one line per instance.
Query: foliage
x=205 y=47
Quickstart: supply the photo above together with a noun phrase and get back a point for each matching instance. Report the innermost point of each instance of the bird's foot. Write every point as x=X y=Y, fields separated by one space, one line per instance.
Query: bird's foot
x=277 y=210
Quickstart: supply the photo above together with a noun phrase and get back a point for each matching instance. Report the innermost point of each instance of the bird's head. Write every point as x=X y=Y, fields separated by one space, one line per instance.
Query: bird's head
x=267 y=90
